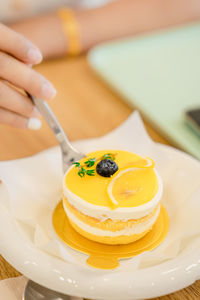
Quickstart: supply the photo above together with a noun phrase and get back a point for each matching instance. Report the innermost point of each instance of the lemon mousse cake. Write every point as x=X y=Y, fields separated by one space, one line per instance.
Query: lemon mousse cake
x=112 y=196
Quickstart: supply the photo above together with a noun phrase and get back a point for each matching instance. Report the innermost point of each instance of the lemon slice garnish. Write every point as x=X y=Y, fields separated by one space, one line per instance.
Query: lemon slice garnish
x=127 y=192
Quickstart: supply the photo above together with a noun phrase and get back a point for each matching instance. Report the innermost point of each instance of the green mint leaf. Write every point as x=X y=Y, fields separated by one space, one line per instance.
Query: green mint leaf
x=109 y=156
x=81 y=172
x=77 y=164
x=90 y=172
x=90 y=162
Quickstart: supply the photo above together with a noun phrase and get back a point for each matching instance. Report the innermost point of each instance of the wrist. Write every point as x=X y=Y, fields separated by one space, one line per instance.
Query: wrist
x=91 y=31
x=71 y=30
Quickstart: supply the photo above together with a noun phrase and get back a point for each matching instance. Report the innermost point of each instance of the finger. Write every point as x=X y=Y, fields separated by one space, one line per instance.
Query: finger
x=10 y=118
x=18 y=46
x=13 y=100
x=25 y=77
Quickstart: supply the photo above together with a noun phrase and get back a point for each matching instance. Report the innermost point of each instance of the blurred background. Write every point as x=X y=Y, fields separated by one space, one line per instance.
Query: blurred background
x=13 y=10
x=144 y=52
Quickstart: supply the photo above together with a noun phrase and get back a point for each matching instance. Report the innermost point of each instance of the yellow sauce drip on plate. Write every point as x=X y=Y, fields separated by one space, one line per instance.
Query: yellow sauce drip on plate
x=107 y=256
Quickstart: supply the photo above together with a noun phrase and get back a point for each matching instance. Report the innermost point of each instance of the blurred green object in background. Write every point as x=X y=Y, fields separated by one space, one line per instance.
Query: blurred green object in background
x=160 y=75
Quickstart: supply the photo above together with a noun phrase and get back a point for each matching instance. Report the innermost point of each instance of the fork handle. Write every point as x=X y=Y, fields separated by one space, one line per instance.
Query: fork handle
x=53 y=123
x=69 y=153
x=50 y=118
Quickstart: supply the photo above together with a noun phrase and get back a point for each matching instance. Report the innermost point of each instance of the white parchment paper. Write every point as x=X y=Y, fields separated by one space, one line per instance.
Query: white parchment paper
x=33 y=187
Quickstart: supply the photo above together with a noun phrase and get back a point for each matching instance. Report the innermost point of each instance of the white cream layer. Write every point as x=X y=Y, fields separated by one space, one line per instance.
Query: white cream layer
x=135 y=229
x=102 y=212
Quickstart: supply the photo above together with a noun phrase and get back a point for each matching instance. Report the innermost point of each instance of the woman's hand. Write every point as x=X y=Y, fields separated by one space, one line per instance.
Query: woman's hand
x=16 y=56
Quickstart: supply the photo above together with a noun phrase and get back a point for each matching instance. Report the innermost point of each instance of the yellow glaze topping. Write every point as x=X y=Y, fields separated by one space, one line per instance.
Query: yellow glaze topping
x=133 y=188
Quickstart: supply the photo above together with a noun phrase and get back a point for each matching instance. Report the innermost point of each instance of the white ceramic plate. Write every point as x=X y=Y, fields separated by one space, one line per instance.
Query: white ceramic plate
x=72 y=279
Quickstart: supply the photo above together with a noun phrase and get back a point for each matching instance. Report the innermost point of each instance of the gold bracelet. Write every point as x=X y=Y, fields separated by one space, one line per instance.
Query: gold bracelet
x=71 y=29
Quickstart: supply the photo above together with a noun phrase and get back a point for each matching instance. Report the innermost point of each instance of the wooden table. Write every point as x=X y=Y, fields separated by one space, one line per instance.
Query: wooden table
x=86 y=108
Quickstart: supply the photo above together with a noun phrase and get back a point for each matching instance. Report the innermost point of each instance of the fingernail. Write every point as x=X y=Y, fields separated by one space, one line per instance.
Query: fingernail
x=35 y=112
x=48 y=91
x=34 y=123
x=34 y=55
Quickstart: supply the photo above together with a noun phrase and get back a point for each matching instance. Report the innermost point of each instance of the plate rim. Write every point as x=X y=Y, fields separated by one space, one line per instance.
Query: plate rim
x=173 y=275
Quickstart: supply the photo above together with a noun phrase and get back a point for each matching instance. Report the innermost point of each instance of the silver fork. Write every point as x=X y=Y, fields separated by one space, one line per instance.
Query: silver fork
x=32 y=290
x=69 y=153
